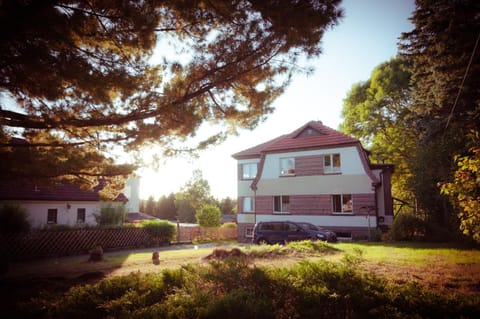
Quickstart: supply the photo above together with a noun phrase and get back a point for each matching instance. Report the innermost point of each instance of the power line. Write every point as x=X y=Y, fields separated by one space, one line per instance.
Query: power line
x=463 y=81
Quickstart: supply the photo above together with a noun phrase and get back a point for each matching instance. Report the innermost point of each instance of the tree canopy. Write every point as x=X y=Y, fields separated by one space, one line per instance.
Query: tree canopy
x=377 y=111
x=421 y=111
x=193 y=195
x=443 y=53
x=465 y=192
x=444 y=57
x=81 y=76
x=208 y=216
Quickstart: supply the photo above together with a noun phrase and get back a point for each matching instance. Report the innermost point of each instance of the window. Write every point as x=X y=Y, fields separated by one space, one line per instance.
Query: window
x=249 y=170
x=281 y=204
x=249 y=232
x=248 y=204
x=81 y=215
x=331 y=163
x=291 y=227
x=342 y=203
x=52 y=216
x=287 y=166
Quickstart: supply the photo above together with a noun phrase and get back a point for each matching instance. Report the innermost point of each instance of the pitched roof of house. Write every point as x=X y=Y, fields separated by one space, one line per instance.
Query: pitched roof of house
x=311 y=135
x=60 y=192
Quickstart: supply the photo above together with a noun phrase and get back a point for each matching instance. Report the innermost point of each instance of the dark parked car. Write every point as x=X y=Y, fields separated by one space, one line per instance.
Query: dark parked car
x=331 y=235
x=281 y=232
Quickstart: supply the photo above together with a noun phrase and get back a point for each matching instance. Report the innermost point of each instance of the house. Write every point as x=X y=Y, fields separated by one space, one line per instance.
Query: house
x=314 y=174
x=64 y=204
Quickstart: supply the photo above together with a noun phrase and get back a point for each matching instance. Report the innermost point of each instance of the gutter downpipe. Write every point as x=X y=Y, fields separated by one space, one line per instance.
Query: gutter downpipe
x=254 y=187
x=255 y=206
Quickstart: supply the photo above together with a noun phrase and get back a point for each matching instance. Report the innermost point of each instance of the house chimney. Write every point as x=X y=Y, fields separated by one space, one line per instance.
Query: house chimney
x=132 y=191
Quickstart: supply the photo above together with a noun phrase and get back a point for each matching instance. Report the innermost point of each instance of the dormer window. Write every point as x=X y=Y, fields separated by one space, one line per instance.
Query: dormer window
x=331 y=163
x=287 y=166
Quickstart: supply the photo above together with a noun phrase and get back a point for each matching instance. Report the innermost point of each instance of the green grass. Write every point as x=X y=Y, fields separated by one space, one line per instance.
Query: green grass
x=442 y=266
x=299 y=280
x=447 y=270
x=413 y=253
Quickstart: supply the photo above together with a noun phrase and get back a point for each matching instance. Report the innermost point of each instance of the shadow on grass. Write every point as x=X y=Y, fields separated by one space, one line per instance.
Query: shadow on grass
x=31 y=278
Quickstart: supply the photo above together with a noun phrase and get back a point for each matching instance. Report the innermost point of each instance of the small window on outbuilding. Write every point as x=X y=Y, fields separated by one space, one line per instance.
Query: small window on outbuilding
x=52 y=216
x=81 y=213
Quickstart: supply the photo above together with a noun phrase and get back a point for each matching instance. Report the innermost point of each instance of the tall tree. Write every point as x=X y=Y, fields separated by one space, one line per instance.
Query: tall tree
x=377 y=112
x=443 y=52
x=82 y=78
x=185 y=211
x=193 y=195
x=227 y=206
x=166 y=207
x=150 y=206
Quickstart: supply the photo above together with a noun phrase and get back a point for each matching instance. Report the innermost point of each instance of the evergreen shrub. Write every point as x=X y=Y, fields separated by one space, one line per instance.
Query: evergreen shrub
x=161 y=231
x=13 y=220
x=407 y=226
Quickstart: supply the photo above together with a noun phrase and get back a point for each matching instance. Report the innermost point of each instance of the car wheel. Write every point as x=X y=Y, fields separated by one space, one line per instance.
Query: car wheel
x=262 y=241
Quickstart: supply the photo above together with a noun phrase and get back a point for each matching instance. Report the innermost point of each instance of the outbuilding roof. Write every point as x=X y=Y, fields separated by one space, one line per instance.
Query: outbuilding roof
x=59 y=192
x=310 y=136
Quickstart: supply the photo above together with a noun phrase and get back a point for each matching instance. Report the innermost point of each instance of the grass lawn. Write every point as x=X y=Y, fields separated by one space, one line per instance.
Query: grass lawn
x=443 y=267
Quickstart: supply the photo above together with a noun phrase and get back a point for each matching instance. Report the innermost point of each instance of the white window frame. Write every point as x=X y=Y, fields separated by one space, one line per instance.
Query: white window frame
x=346 y=204
x=249 y=232
x=249 y=170
x=284 y=202
x=287 y=166
x=332 y=169
x=248 y=202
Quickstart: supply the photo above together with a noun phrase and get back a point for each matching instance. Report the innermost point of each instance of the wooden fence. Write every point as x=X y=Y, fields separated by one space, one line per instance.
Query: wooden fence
x=55 y=243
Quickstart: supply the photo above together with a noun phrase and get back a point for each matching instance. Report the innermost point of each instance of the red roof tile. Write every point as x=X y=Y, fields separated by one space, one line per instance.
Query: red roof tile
x=322 y=136
x=61 y=192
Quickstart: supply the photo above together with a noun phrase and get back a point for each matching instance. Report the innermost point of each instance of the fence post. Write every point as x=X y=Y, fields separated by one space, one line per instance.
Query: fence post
x=178 y=231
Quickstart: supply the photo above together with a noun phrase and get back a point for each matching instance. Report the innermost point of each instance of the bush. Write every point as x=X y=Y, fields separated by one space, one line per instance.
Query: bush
x=13 y=220
x=59 y=227
x=208 y=216
x=161 y=231
x=376 y=235
x=233 y=289
x=110 y=215
x=228 y=225
x=308 y=246
x=407 y=226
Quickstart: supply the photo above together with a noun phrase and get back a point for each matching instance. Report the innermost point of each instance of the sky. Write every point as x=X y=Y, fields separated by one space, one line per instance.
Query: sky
x=367 y=36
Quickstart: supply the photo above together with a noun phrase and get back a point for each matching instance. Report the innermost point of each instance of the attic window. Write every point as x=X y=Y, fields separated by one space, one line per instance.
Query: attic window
x=309 y=131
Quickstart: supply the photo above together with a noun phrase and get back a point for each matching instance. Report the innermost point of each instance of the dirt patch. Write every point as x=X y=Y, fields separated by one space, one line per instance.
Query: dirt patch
x=445 y=278
x=221 y=254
